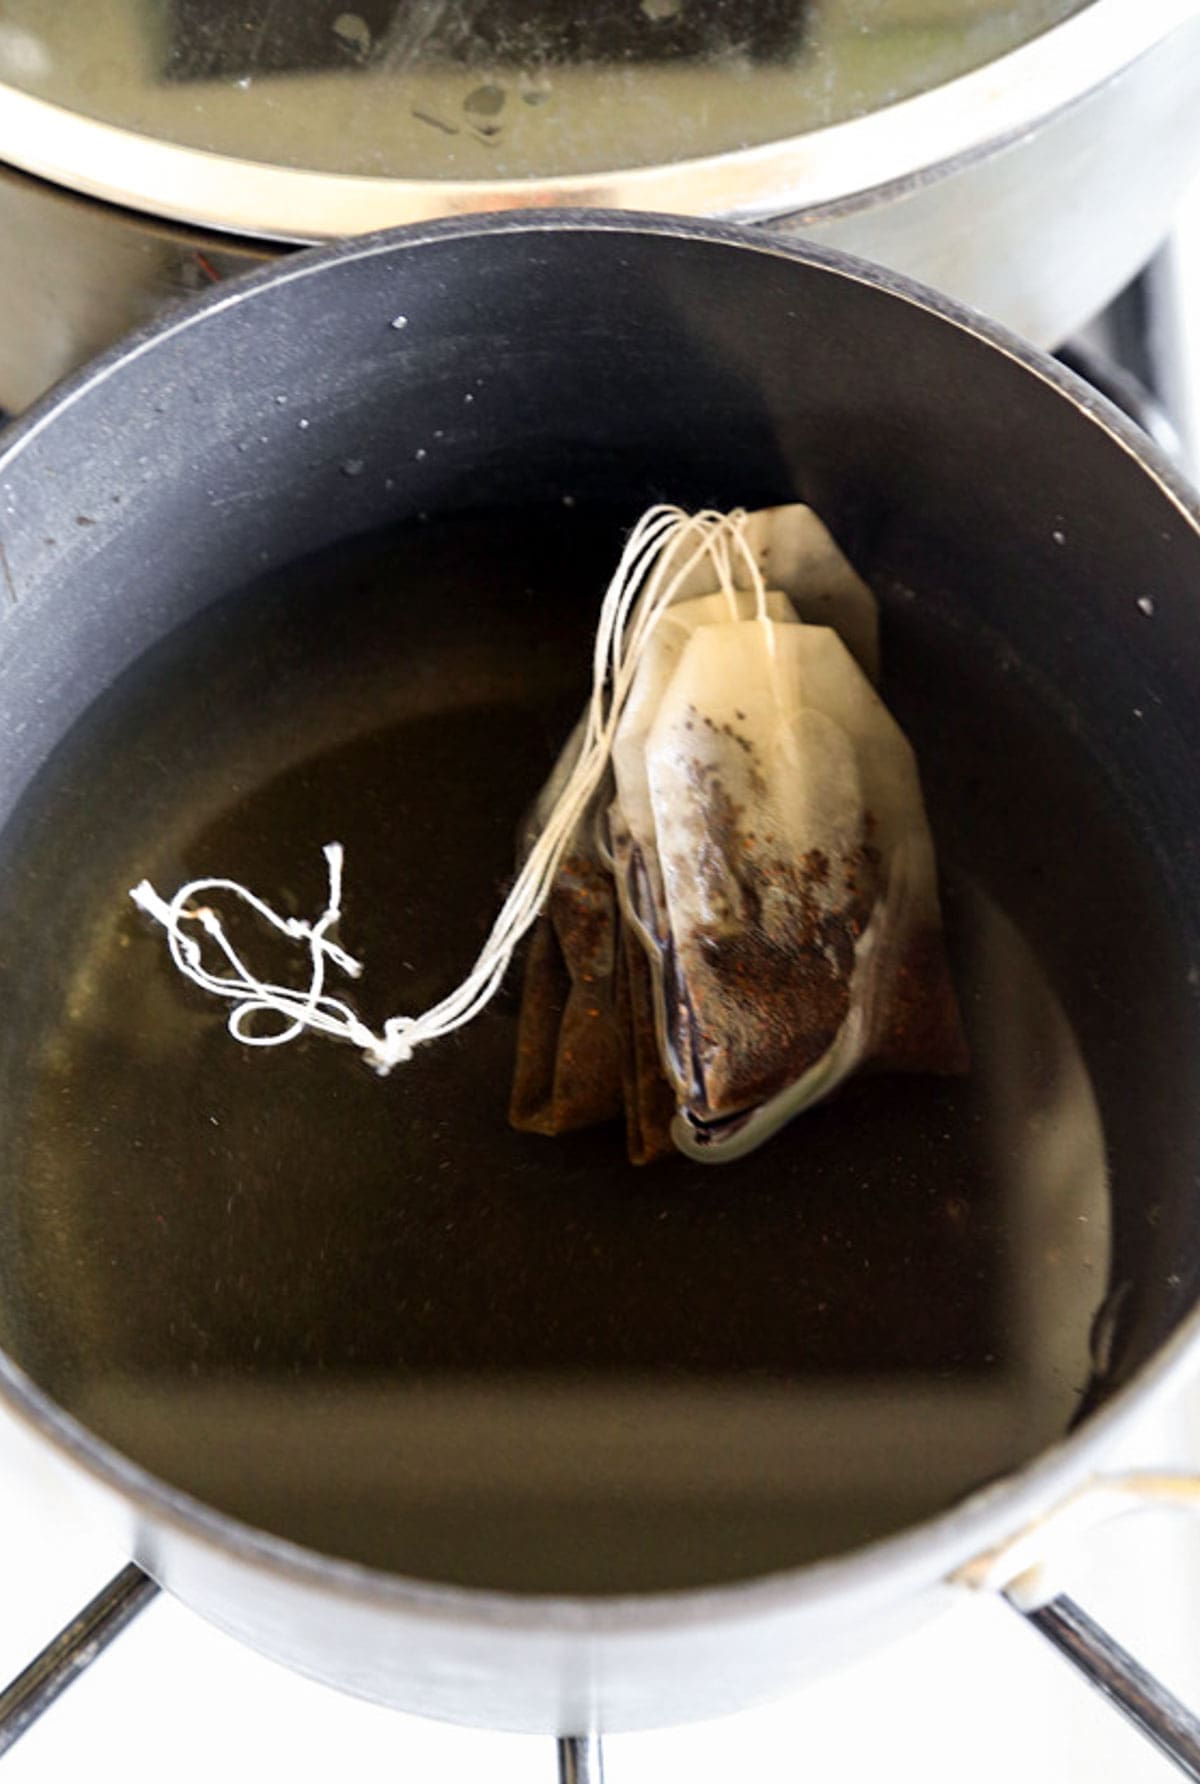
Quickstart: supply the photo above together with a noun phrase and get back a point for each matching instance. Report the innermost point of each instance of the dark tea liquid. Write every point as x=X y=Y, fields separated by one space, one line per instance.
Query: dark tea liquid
x=365 y=1314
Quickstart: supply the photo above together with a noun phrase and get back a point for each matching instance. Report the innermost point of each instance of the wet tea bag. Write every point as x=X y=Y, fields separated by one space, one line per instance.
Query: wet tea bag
x=568 y=1070
x=729 y=876
x=774 y=857
x=587 y=1047
x=768 y=839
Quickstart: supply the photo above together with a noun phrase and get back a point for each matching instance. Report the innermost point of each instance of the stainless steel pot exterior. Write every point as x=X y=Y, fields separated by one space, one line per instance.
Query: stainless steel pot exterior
x=542 y=1666
x=1032 y=190
x=79 y=274
x=1042 y=231
x=158 y=428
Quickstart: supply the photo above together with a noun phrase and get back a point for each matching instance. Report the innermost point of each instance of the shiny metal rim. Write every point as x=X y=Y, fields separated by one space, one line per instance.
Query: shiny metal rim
x=901 y=144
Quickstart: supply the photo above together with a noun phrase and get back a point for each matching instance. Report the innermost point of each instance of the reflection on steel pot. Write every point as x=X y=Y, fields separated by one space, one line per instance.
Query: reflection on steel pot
x=79 y=275
x=464 y=1420
x=1029 y=178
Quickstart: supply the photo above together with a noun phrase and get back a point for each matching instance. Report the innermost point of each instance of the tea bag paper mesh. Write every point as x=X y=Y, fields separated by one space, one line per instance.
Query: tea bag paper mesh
x=798 y=876
x=728 y=877
x=632 y=821
x=568 y=1070
x=789 y=550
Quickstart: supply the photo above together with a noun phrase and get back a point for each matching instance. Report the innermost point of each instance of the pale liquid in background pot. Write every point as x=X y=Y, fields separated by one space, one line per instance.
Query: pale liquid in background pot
x=495 y=89
x=368 y=1316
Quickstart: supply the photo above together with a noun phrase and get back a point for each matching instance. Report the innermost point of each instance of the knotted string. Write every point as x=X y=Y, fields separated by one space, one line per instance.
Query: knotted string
x=660 y=553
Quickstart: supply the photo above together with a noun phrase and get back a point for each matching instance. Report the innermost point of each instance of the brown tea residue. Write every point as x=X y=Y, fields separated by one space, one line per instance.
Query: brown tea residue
x=750 y=767
x=768 y=985
x=587 y=1048
x=569 y=1071
x=763 y=990
x=583 y=910
x=649 y=1099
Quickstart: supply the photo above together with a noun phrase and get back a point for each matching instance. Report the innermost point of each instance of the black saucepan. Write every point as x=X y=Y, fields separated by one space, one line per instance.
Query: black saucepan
x=481 y=1424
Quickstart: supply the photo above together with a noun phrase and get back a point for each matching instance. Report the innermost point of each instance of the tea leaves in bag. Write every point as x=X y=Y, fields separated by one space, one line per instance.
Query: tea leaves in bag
x=797 y=934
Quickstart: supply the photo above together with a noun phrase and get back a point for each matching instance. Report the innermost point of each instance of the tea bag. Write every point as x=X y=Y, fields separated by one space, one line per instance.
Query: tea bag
x=769 y=846
x=778 y=866
x=649 y=1099
x=586 y=1041
x=729 y=876
x=568 y=1070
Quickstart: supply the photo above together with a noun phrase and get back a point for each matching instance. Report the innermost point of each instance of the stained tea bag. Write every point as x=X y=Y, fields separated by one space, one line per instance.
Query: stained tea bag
x=782 y=877
x=729 y=877
x=587 y=1045
x=586 y=1040
x=570 y=1049
x=769 y=846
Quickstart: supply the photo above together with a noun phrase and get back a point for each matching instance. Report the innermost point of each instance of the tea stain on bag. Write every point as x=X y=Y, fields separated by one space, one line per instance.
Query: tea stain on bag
x=649 y=1099
x=569 y=1040
x=799 y=879
x=769 y=844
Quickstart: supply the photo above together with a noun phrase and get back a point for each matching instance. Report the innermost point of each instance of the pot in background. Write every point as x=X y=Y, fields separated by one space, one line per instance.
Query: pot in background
x=1033 y=187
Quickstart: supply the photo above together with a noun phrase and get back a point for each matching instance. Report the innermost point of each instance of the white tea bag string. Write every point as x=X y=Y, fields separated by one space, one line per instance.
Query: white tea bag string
x=313 y=1008
x=662 y=550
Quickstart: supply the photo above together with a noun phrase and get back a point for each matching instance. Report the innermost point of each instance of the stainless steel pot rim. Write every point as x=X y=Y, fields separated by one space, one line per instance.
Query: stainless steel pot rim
x=900 y=144
x=935 y=1549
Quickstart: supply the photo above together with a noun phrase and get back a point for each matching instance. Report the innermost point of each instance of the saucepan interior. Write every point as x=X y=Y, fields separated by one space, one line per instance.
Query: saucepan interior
x=322 y=561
